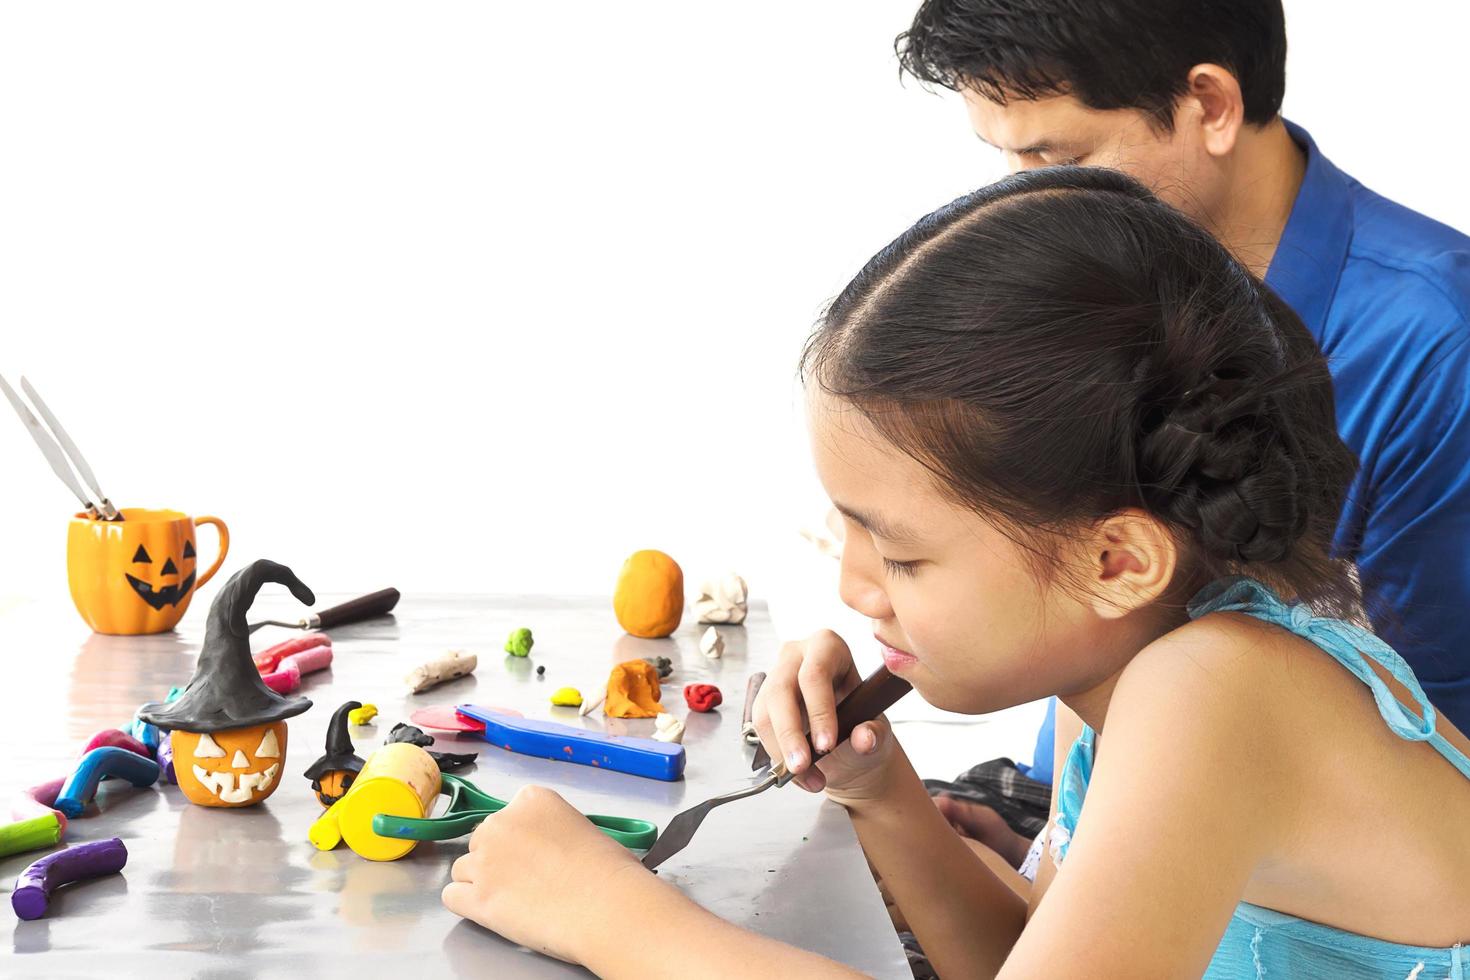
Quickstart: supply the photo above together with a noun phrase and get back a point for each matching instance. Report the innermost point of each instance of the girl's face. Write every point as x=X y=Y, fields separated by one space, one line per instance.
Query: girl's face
x=956 y=603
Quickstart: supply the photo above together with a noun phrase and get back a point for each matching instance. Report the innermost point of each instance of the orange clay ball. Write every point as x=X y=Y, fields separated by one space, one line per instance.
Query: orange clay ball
x=649 y=599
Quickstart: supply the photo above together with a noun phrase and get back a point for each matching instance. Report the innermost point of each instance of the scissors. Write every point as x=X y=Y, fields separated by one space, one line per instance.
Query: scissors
x=469 y=805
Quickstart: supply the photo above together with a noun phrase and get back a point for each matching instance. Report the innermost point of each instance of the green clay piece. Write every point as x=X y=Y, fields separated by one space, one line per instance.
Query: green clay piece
x=520 y=642
x=567 y=697
x=29 y=835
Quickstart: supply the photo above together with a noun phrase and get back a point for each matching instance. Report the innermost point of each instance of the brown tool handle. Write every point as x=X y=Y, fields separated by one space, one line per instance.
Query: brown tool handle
x=356 y=610
x=876 y=694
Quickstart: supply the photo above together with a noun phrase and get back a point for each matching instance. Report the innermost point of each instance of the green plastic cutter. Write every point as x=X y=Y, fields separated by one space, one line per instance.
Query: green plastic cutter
x=469 y=805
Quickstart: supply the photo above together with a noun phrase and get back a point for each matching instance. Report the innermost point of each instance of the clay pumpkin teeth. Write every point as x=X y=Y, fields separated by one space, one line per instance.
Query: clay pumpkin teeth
x=223 y=784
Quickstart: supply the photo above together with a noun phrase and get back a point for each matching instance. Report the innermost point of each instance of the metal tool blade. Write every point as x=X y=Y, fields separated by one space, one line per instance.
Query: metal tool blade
x=760 y=758
x=49 y=448
x=680 y=831
x=74 y=454
x=300 y=624
x=875 y=694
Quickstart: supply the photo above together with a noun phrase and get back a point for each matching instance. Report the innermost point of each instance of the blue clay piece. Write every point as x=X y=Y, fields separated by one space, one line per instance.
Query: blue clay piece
x=109 y=760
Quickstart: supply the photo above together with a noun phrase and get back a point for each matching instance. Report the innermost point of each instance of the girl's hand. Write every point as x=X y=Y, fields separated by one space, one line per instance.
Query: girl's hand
x=537 y=866
x=809 y=678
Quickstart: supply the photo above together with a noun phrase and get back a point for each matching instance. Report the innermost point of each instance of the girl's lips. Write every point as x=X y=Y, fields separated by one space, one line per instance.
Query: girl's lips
x=896 y=660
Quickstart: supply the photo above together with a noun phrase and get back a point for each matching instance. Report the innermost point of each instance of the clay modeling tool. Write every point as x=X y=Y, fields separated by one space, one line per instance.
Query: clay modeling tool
x=548 y=740
x=875 y=695
x=352 y=611
x=32 y=895
x=469 y=806
x=58 y=448
x=747 y=721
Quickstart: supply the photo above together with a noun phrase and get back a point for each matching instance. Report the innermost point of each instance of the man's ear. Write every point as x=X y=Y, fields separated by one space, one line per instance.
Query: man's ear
x=1132 y=558
x=1214 y=107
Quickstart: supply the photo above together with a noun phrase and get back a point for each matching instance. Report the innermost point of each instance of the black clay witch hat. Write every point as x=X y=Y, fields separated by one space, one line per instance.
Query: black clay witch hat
x=226 y=690
x=340 y=754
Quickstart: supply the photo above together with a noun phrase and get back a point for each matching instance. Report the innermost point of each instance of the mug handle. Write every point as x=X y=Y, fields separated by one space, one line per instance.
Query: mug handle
x=224 y=547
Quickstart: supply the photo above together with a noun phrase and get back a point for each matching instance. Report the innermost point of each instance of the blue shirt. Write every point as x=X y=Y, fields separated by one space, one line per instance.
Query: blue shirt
x=1386 y=292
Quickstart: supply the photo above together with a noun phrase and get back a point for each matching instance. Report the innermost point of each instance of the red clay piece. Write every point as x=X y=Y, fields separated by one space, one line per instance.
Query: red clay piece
x=702 y=697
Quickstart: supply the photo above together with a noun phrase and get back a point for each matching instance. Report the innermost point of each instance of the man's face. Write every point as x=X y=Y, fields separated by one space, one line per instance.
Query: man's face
x=1060 y=129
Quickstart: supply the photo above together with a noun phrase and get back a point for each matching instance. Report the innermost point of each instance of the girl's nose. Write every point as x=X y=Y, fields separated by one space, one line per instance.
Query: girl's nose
x=860 y=586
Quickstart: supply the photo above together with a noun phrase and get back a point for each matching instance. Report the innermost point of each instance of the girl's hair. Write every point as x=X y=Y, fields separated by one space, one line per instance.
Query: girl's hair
x=1061 y=345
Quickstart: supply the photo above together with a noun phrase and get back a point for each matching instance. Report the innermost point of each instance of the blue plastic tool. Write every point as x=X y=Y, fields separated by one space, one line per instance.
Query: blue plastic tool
x=548 y=740
x=109 y=760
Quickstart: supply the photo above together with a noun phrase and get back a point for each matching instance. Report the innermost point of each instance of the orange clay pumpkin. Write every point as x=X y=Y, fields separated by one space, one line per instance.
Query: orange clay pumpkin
x=649 y=599
x=236 y=767
x=228 y=730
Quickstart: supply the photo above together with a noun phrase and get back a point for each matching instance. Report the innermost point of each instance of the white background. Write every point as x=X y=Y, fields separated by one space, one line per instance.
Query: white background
x=479 y=297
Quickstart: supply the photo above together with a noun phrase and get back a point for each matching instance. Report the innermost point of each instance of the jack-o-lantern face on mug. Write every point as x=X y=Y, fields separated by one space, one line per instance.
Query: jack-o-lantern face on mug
x=172 y=584
x=238 y=767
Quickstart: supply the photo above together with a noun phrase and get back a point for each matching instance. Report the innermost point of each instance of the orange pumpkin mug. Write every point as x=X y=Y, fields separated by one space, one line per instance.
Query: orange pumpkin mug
x=138 y=574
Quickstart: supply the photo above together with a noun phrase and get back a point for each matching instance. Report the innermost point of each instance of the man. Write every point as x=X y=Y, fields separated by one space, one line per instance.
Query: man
x=1186 y=96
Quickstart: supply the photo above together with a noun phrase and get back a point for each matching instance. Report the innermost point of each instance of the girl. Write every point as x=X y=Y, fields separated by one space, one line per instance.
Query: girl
x=1080 y=451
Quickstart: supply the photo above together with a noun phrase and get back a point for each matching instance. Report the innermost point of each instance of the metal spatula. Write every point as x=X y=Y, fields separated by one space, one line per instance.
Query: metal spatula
x=60 y=451
x=875 y=695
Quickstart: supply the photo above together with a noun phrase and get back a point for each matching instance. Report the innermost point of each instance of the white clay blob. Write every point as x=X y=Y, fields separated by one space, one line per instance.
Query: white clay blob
x=712 y=644
x=722 y=600
x=668 y=728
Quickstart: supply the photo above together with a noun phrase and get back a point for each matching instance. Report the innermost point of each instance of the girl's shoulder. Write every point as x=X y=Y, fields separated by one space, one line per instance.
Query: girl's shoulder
x=1223 y=652
x=1233 y=678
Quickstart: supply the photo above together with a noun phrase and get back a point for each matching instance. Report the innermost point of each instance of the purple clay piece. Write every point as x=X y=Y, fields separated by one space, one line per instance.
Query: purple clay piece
x=109 y=760
x=166 y=761
x=33 y=888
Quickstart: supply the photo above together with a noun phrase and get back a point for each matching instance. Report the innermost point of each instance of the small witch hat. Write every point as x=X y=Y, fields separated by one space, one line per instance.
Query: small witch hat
x=340 y=754
x=226 y=690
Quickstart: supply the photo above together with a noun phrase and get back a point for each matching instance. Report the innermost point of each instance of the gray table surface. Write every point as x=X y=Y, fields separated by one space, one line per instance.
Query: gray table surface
x=241 y=893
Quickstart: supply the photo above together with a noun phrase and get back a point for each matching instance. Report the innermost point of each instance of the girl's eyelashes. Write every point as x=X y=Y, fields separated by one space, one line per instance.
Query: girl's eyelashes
x=900 y=569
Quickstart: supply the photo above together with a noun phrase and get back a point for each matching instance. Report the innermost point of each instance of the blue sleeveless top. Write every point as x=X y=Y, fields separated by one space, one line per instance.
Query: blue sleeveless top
x=1259 y=942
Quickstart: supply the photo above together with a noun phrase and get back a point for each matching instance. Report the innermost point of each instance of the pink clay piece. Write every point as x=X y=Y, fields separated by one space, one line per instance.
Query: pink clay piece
x=118 y=739
x=286 y=679
x=39 y=801
x=314 y=659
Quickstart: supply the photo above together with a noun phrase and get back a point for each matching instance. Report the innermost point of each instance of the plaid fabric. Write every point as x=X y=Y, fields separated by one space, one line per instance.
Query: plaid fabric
x=1022 y=802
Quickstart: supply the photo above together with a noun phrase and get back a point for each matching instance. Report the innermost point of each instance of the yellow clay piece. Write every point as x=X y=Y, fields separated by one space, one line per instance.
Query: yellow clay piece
x=633 y=691
x=649 y=598
x=567 y=697
x=363 y=715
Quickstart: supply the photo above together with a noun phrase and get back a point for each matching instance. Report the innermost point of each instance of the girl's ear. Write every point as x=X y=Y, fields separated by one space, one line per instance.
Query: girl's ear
x=1132 y=559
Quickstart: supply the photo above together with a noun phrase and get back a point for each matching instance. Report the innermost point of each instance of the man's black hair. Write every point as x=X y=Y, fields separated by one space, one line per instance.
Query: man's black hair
x=1109 y=54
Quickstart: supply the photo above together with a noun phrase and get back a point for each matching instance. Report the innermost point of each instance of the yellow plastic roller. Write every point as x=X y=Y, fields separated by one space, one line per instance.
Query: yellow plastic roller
x=398 y=779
